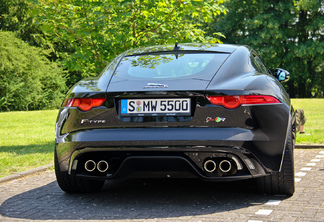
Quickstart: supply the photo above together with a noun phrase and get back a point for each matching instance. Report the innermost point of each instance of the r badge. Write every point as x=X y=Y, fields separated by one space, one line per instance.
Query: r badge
x=217 y=119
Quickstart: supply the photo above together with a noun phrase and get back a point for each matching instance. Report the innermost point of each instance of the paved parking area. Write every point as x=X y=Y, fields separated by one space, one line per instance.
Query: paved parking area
x=38 y=197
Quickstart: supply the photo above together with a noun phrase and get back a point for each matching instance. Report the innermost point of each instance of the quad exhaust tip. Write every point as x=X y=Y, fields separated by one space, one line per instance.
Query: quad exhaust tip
x=90 y=165
x=102 y=166
x=225 y=166
x=210 y=166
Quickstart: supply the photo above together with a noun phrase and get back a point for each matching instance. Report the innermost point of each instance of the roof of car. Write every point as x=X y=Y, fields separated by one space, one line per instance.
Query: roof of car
x=208 y=47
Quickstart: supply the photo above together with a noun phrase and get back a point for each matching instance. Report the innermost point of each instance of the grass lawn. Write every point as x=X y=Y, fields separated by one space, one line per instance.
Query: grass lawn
x=27 y=138
x=314 y=127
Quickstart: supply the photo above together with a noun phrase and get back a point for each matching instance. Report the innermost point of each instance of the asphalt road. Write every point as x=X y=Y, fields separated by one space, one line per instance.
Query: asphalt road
x=38 y=197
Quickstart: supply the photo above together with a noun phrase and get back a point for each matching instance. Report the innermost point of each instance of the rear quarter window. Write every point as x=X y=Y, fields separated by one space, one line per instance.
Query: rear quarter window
x=258 y=64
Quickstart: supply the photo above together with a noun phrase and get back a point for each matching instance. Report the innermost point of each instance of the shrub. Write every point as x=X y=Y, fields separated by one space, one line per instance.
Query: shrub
x=29 y=81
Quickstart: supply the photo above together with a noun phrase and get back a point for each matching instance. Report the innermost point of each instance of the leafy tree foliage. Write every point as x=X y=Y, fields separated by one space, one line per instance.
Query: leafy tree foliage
x=287 y=34
x=29 y=80
x=15 y=16
x=86 y=34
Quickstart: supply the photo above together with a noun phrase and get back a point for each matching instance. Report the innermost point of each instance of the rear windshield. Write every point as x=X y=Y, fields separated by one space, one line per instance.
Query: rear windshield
x=159 y=66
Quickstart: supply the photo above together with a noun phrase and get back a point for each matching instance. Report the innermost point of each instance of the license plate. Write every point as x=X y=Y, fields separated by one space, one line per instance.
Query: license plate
x=156 y=107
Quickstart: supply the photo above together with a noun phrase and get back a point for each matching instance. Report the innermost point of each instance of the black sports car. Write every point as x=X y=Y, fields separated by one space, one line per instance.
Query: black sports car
x=209 y=111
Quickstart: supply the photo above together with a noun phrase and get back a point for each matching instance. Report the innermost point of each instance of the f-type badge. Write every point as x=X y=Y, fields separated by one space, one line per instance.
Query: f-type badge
x=154 y=85
x=97 y=121
x=217 y=119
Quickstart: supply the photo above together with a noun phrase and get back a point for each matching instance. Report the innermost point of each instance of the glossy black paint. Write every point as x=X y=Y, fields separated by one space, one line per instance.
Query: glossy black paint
x=177 y=146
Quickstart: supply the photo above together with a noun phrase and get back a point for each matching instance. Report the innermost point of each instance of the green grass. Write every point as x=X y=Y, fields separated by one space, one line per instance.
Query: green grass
x=26 y=140
x=314 y=112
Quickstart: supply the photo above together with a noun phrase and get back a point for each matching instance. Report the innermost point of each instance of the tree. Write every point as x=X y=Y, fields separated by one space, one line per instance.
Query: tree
x=308 y=53
x=29 y=80
x=287 y=34
x=86 y=34
x=15 y=16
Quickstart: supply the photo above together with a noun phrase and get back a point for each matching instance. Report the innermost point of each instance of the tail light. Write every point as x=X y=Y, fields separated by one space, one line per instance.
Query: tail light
x=84 y=104
x=232 y=102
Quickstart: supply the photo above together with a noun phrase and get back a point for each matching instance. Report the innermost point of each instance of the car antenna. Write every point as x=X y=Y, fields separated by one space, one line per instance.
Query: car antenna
x=176 y=47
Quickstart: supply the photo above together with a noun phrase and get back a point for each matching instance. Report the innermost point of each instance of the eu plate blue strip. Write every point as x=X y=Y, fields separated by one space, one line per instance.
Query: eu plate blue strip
x=124 y=106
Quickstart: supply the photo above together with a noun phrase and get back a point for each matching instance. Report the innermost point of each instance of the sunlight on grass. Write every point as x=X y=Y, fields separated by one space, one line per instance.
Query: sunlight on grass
x=27 y=140
x=314 y=112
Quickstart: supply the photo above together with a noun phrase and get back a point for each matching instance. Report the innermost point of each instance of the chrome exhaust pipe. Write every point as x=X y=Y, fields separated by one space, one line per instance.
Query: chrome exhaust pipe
x=90 y=165
x=210 y=166
x=225 y=166
x=102 y=166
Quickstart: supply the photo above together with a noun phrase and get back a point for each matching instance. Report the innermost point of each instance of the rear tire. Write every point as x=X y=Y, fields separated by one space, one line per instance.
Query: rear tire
x=282 y=182
x=73 y=184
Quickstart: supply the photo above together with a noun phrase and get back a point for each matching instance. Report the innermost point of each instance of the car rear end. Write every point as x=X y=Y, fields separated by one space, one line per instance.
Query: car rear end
x=163 y=115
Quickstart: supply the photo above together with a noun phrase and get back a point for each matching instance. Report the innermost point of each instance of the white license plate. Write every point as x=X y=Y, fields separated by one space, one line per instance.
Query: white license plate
x=158 y=107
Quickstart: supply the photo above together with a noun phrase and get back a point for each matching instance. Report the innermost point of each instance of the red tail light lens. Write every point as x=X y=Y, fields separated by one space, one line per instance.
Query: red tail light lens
x=85 y=104
x=232 y=102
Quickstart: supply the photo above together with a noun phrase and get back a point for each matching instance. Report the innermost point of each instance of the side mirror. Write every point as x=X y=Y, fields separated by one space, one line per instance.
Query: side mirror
x=281 y=74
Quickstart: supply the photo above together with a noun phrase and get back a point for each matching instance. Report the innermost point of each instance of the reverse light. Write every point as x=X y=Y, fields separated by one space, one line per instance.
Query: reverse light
x=84 y=104
x=232 y=102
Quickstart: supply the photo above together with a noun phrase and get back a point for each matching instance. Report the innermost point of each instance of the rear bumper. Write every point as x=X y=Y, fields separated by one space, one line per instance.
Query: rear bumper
x=163 y=164
x=170 y=152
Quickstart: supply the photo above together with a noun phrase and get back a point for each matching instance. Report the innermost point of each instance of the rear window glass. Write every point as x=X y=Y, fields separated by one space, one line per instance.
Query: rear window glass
x=159 y=66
